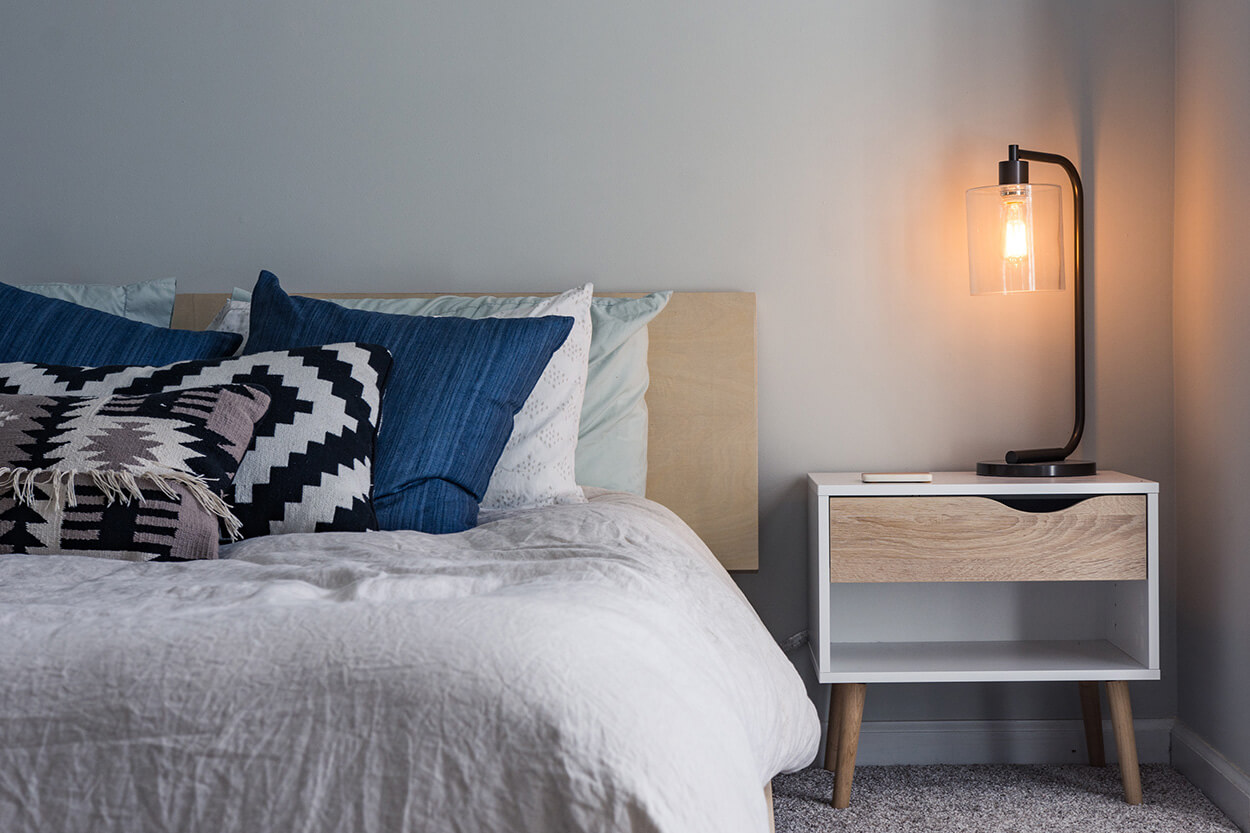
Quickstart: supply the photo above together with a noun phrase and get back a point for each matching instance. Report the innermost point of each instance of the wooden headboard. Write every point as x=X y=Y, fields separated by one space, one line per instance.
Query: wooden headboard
x=703 y=448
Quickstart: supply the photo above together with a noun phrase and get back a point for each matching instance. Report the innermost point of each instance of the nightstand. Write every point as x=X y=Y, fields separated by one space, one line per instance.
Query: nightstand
x=972 y=578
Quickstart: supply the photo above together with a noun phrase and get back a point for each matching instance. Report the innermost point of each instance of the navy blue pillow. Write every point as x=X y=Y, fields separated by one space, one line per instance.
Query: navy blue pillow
x=43 y=330
x=454 y=387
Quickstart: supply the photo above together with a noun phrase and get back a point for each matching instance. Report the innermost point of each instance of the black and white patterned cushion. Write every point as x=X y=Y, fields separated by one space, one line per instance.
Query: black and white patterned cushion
x=310 y=465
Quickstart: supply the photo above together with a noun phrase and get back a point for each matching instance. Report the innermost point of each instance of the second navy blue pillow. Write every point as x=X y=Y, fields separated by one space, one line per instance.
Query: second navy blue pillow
x=43 y=330
x=454 y=387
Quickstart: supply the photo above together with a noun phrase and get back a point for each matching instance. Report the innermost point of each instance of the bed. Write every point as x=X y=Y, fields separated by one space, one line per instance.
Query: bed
x=573 y=667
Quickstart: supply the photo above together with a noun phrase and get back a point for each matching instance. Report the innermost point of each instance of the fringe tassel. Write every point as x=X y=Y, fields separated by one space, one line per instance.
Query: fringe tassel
x=118 y=487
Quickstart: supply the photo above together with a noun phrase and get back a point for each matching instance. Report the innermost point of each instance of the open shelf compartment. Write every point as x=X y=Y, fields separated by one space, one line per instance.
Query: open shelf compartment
x=972 y=661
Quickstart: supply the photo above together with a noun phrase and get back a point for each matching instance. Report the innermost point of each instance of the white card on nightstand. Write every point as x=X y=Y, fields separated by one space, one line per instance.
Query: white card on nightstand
x=896 y=477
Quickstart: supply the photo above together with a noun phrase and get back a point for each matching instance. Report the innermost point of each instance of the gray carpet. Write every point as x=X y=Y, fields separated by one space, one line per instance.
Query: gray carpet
x=995 y=799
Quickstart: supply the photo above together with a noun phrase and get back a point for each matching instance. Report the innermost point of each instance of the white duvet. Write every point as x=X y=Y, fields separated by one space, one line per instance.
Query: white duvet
x=574 y=668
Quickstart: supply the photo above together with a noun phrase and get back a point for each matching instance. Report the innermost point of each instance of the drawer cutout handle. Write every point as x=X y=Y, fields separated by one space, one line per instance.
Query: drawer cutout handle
x=1041 y=505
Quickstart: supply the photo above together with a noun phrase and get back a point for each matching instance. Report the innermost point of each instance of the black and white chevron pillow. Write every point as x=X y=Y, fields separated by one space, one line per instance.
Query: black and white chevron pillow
x=310 y=465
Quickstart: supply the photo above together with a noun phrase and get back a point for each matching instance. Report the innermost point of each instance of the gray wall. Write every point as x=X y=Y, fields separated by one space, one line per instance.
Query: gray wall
x=1212 y=276
x=815 y=152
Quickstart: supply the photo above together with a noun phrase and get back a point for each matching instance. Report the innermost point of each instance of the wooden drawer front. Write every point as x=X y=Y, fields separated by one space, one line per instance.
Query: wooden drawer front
x=964 y=538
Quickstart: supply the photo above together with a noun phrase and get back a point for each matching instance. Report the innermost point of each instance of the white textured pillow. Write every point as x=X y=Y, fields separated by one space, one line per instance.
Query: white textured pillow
x=537 y=467
x=234 y=317
x=538 y=463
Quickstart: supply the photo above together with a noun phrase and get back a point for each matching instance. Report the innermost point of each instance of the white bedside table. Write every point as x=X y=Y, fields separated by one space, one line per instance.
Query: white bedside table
x=972 y=578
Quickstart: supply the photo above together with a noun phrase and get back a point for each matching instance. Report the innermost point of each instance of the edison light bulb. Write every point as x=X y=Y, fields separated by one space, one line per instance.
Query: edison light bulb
x=1015 y=230
x=1015 y=220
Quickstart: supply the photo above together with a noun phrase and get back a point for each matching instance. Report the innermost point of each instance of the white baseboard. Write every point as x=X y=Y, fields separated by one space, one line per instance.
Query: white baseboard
x=1222 y=782
x=1000 y=742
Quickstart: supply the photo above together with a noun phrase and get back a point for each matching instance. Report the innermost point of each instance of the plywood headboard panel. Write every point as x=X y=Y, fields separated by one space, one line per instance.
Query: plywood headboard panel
x=703 y=451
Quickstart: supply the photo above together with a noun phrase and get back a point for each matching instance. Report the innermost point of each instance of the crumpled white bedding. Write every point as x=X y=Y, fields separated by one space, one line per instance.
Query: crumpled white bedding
x=575 y=668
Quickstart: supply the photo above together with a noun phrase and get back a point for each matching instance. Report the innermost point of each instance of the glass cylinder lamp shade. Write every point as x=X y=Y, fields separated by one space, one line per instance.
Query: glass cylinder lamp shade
x=1015 y=238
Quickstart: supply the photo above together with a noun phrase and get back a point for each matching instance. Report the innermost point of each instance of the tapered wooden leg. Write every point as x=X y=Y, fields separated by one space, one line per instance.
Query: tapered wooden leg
x=831 y=734
x=850 y=715
x=1091 y=711
x=1125 y=741
x=772 y=817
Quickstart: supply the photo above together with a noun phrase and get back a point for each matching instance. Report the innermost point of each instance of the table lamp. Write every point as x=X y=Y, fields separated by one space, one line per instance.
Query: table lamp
x=1015 y=244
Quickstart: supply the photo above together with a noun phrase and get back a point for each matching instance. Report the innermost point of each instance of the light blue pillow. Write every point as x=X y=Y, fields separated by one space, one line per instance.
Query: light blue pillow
x=151 y=302
x=453 y=390
x=612 y=438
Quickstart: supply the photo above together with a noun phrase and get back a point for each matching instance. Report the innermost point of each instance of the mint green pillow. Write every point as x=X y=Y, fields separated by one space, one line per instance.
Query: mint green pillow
x=612 y=436
x=151 y=302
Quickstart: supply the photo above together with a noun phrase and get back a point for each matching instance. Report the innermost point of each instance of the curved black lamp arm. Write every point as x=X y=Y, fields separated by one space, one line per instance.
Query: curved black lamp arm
x=1038 y=455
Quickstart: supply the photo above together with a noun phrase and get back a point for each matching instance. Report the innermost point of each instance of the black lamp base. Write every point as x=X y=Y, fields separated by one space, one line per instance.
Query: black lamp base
x=1046 y=468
